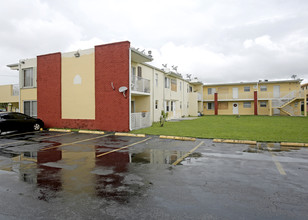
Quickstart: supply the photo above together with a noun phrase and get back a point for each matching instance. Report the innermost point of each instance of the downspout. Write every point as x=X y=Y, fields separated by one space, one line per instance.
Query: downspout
x=153 y=98
x=19 y=73
x=129 y=95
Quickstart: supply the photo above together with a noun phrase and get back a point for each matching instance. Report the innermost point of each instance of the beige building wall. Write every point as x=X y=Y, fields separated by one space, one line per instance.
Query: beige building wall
x=27 y=95
x=6 y=94
x=78 y=85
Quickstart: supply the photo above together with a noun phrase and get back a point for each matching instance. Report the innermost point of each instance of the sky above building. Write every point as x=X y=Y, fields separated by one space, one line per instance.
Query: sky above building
x=217 y=41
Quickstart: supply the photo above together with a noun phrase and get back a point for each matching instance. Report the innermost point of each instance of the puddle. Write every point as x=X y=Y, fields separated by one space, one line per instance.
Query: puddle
x=77 y=171
x=272 y=147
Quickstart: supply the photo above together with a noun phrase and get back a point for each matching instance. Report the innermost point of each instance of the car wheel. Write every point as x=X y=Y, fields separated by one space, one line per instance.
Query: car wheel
x=36 y=127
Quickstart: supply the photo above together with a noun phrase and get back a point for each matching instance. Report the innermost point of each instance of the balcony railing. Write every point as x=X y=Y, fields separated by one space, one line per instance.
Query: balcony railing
x=261 y=95
x=140 y=84
x=140 y=120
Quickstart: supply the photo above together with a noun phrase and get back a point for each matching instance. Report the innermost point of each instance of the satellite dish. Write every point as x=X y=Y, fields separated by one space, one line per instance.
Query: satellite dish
x=123 y=90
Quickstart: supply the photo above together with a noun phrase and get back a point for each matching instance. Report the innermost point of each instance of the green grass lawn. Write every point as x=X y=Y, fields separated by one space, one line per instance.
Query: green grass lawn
x=258 y=128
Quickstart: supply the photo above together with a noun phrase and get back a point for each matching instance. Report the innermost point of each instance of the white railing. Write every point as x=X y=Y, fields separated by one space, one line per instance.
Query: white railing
x=261 y=95
x=140 y=120
x=279 y=102
x=140 y=84
x=289 y=109
x=15 y=90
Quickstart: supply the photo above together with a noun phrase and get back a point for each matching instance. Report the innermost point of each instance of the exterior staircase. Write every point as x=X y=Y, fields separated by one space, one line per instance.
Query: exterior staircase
x=283 y=104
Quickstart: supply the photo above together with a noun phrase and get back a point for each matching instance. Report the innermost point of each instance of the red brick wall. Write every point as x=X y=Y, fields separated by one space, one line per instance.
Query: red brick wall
x=111 y=107
x=49 y=89
x=112 y=66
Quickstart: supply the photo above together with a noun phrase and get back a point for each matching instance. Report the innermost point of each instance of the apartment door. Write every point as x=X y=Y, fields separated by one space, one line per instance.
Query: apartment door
x=235 y=108
x=276 y=92
x=235 y=93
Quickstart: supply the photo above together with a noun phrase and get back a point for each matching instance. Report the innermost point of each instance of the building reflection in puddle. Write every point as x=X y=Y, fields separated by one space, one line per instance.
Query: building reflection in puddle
x=77 y=170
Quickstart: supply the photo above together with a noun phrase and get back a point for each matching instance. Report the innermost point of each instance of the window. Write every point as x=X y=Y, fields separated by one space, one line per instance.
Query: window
x=247 y=89
x=180 y=86
x=210 y=106
x=262 y=104
x=173 y=85
x=167 y=106
x=156 y=79
x=156 y=104
x=263 y=88
x=172 y=105
x=190 y=88
x=247 y=104
x=167 y=83
x=211 y=91
x=30 y=108
x=139 y=71
x=28 y=77
x=223 y=105
x=180 y=105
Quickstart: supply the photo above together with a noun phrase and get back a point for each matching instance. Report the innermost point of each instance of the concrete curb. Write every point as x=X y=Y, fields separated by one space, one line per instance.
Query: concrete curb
x=234 y=141
x=90 y=132
x=59 y=130
x=289 y=144
x=129 y=134
x=177 y=138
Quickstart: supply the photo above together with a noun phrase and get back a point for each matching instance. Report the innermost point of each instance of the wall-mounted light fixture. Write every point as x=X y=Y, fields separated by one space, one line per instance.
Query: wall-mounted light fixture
x=77 y=54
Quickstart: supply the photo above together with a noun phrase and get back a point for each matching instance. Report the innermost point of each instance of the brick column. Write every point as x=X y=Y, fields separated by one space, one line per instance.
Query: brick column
x=255 y=103
x=216 y=103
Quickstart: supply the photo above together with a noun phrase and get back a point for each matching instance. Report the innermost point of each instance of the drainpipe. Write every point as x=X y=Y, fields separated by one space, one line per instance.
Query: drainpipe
x=152 y=94
x=129 y=86
x=20 y=83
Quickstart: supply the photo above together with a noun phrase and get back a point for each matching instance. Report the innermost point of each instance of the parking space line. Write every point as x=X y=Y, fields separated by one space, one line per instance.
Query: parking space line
x=11 y=143
x=186 y=155
x=121 y=148
x=76 y=142
x=278 y=165
x=53 y=136
x=12 y=135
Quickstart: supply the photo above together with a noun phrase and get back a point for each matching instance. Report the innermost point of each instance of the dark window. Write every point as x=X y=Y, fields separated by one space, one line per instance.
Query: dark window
x=139 y=71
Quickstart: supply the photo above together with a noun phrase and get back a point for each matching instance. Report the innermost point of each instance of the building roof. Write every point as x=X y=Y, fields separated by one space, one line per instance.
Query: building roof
x=255 y=82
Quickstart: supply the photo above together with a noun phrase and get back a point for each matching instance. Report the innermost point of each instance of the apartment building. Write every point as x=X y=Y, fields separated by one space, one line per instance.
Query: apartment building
x=254 y=98
x=109 y=87
x=305 y=90
x=9 y=98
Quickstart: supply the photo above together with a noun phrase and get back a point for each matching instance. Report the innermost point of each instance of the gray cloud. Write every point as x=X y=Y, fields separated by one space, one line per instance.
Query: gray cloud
x=217 y=41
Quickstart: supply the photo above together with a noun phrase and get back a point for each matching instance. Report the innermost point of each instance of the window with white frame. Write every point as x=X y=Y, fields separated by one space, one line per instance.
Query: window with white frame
x=139 y=71
x=210 y=105
x=167 y=83
x=263 y=88
x=247 y=104
x=28 y=77
x=30 y=108
x=167 y=106
x=211 y=91
x=172 y=105
x=263 y=104
x=156 y=104
x=156 y=79
x=247 y=89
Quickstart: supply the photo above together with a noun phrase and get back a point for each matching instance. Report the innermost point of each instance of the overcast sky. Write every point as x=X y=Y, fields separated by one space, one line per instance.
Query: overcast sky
x=217 y=41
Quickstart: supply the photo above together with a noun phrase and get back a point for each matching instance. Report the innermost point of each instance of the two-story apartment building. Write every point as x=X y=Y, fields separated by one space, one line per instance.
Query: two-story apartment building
x=253 y=98
x=109 y=87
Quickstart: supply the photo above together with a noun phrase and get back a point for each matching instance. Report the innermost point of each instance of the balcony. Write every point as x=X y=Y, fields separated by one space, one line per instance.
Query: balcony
x=140 y=120
x=140 y=85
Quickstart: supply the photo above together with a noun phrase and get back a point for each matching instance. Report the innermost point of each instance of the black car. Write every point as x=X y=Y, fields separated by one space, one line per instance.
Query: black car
x=12 y=121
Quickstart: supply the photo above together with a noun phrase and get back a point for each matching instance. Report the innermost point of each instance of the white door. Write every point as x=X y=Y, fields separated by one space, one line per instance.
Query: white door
x=235 y=108
x=235 y=93
x=276 y=92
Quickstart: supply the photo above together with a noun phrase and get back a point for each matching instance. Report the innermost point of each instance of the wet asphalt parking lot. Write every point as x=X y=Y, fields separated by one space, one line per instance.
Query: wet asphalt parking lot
x=52 y=175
